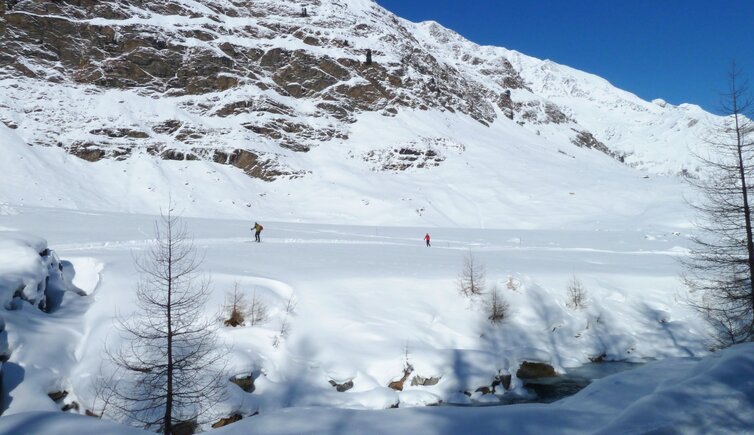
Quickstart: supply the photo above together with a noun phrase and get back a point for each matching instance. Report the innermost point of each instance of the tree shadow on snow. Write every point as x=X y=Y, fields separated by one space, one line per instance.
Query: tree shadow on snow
x=12 y=376
x=665 y=329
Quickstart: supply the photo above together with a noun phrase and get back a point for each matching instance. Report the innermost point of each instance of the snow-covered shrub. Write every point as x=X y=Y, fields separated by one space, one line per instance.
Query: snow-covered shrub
x=285 y=324
x=290 y=306
x=496 y=307
x=258 y=314
x=285 y=330
x=471 y=280
x=235 y=307
x=576 y=295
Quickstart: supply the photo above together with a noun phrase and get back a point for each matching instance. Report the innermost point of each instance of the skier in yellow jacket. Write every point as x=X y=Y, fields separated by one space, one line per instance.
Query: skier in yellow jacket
x=257 y=230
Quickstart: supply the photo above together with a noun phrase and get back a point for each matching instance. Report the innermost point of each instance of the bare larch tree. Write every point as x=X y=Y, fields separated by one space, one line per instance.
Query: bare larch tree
x=170 y=364
x=576 y=297
x=235 y=307
x=258 y=310
x=471 y=280
x=720 y=269
x=496 y=307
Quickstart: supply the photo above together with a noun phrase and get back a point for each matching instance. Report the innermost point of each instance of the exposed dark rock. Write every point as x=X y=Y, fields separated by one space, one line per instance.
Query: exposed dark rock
x=120 y=132
x=10 y=124
x=167 y=127
x=502 y=380
x=189 y=134
x=185 y=428
x=57 y=396
x=246 y=382
x=249 y=162
x=70 y=406
x=585 y=139
x=341 y=388
x=87 y=151
x=401 y=159
x=177 y=155
x=398 y=385
x=484 y=390
x=424 y=382
x=226 y=421
x=535 y=370
x=555 y=115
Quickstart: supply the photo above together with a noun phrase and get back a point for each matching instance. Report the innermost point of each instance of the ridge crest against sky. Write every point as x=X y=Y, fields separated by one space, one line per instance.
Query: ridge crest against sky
x=677 y=50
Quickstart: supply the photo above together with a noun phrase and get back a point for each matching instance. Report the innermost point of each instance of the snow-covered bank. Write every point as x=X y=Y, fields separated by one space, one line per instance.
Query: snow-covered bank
x=42 y=311
x=714 y=394
x=370 y=299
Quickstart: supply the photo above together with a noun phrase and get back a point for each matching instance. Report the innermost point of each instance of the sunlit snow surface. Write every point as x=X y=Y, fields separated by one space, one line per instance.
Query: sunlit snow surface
x=345 y=243
x=365 y=295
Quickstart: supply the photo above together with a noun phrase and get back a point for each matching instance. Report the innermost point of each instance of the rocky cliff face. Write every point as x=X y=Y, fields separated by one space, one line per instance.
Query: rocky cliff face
x=252 y=83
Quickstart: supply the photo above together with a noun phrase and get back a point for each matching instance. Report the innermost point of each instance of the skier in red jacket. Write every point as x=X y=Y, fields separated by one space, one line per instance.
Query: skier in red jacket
x=426 y=239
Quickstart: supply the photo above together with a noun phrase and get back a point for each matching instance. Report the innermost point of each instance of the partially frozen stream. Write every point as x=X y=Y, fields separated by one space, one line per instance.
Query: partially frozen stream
x=548 y=390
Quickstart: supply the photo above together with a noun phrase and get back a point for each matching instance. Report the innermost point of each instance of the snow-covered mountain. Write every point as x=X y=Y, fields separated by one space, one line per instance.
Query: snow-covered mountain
x=275 y=102
x=268 y=110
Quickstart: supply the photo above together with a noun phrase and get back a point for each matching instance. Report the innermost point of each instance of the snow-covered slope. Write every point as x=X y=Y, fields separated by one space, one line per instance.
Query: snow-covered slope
x=654 y=136
x=280 y=109
x=367 y=301
x=266 y=110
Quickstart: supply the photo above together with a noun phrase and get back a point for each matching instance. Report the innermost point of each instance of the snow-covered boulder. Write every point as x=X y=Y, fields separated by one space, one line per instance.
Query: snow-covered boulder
x=30 y=273
x=24 y=269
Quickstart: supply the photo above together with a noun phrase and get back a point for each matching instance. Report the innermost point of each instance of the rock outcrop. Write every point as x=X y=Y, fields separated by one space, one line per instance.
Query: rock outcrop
x=244 y=83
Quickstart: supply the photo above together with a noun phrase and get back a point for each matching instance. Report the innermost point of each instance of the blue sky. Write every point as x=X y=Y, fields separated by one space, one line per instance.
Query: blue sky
x=678 y=50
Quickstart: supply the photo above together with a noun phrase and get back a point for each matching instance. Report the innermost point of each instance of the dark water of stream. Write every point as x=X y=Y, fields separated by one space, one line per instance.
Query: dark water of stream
x=549 y=390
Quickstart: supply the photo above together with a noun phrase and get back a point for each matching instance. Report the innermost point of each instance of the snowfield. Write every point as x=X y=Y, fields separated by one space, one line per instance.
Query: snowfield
x=352 y=295
x=369 y=297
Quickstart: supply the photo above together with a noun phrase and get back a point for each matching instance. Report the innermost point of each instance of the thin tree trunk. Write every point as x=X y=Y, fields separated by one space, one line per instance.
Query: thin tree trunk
x=169 y=390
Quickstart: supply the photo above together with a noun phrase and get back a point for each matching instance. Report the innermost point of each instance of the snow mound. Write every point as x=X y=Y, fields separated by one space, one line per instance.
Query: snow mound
x=22 y=268
x=36 y=292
